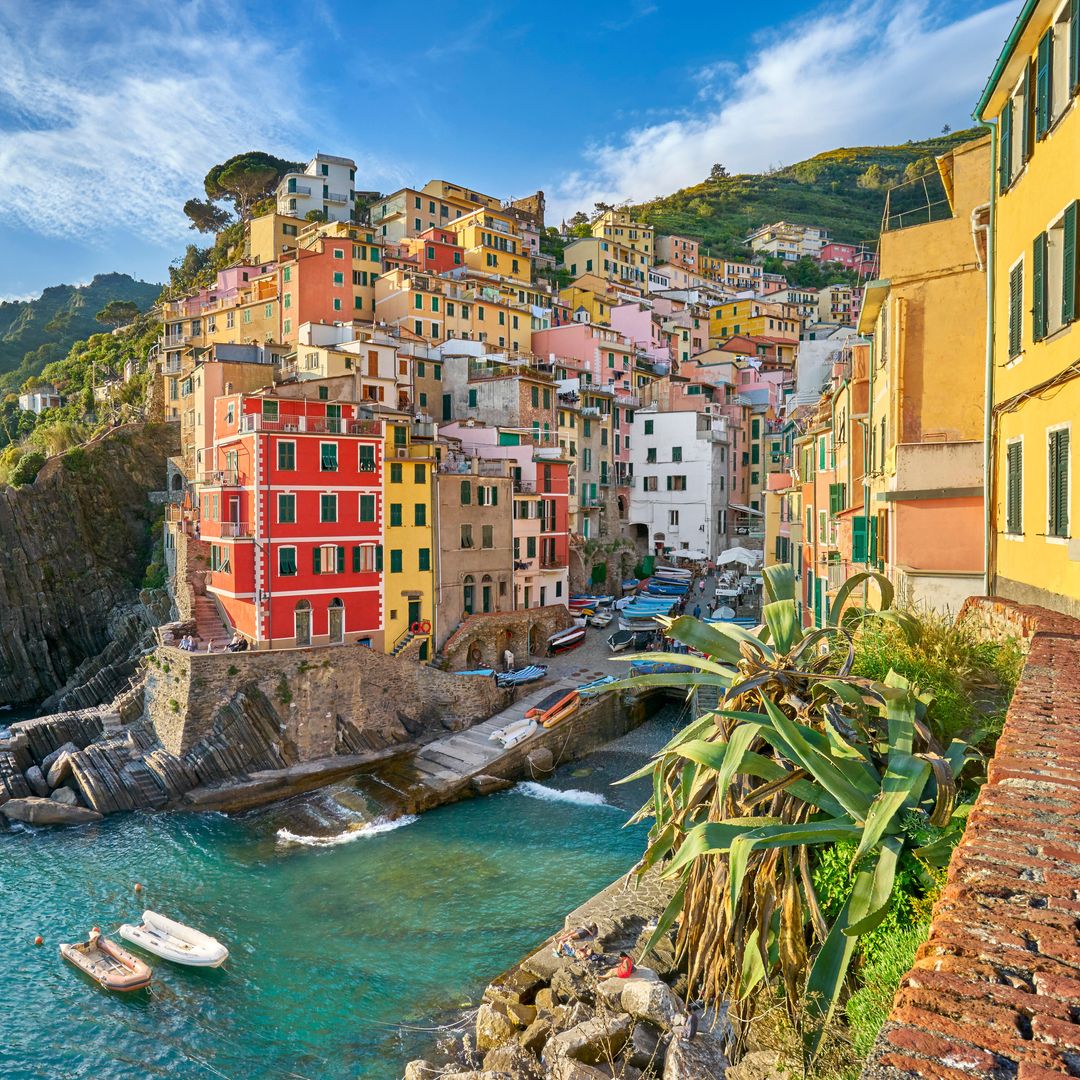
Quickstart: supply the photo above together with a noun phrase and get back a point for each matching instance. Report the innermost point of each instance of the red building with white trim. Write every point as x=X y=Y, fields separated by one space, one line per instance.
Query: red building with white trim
x=292 y=509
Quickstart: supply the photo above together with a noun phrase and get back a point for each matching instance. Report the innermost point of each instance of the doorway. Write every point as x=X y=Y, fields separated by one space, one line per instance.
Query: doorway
x=337 y=622
x=414 y=613
x=302 y=627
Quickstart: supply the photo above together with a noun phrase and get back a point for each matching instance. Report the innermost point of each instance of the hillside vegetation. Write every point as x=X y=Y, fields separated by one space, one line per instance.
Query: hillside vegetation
x=34 y=333
x=843 y=190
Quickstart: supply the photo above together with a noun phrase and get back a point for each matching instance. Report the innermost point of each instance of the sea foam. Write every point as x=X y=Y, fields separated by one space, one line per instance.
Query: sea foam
x=364 y=832
x=571 y=795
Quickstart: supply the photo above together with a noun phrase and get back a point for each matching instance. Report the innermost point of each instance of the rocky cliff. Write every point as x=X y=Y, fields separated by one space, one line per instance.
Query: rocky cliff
x=74 y=546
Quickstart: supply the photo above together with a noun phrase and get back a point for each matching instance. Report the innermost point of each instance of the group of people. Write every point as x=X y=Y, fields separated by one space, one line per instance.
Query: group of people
x=187 y=643
x=239 y=643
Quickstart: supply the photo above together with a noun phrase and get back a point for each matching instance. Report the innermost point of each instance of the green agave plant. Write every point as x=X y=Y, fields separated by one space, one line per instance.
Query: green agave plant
x=799 y=753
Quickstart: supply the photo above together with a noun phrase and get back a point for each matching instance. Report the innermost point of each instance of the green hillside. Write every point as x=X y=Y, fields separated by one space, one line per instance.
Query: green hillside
x=34 y=333
x=843 y=190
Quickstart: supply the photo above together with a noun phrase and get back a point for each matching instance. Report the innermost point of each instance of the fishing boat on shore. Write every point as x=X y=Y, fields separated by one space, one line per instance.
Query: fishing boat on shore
x=172 y=940
x=601 y=618
x=513 y=733
x=565 y=640
x=110 y=965
x=625 y=639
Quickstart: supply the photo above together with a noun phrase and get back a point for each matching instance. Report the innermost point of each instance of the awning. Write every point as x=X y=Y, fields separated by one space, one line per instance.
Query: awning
x=739 y=555
x=693 y=556
x=745 y=509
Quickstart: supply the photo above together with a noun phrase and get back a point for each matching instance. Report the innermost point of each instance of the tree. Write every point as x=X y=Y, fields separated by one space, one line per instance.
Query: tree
x=118 y=312
x=875 y=177
x=580 y=218
x=946 y=129
x=205 y=215
x=919 y=167
x=245 y=178
x=603 y=207
x=718 y=172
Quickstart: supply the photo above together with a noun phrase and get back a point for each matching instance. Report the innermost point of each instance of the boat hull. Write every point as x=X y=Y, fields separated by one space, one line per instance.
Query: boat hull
x=175 y=942
x=110 y=965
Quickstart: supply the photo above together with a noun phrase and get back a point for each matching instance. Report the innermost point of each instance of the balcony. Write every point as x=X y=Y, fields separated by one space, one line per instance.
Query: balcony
x=220 y=478
x=298 y=189
x=336 y=197
x=310 y=425
x=171 y=366
x=175 y=341
x=553 y=564
x=237 y=529
x=524 y=487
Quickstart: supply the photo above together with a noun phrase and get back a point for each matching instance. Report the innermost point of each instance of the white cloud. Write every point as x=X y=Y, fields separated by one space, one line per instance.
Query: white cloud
x=111 y=112
x=869 y=73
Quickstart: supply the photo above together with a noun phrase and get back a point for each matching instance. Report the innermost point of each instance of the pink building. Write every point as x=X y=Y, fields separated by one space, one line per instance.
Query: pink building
x=853 y=256
x=641 y=326
x=599 y=352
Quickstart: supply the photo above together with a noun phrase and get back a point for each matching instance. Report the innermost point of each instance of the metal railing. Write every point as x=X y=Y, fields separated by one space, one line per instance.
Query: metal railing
x=236 y=528
x=220 y=478
x=310 y=425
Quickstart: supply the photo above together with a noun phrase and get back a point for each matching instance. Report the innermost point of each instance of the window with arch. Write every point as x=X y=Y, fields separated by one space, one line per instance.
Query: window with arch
x=469 y=594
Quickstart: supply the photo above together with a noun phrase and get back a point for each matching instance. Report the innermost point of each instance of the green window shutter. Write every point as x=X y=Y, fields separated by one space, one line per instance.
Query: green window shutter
x=425 y=558
x=395 y=514
x=1059 y=483
x=420 y=514
x=378 y=558
x=341 y=560
x=1068 y=266
x=367 y=508
x=466 y=492
x=1014 y=461
x=1038 y=288
x=858 y=539
x=1016 y=309
x=316 y=559
x=1074 y=46
x=356 y=559
x=395 y=560
x=872 y=542
x=1005 y=159
x=494 y=496
x=1043 y=89
x=1026 y=140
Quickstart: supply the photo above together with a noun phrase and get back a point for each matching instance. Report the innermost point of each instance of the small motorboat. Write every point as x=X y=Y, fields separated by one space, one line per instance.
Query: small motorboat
x=602 y=618
x=513 y=733
x=522 y=675
x=622 y=640
x=110 y=965
x=565 y=640
x=174 y=941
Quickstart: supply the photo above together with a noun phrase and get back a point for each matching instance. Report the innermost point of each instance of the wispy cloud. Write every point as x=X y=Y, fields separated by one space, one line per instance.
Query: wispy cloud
x=629 y=15
x=869 y=72
x=111 y=112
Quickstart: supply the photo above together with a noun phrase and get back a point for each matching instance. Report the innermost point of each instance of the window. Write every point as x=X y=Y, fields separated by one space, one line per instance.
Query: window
x=420 y=514
x=1038 y=288
x=1058 y=483
x=487 y=536
x=1014 y=487
x=530 y=547
x=328 y=559
x=339 y=277
x=648 y=427
x=395 y=515
x=287 y=561
x=328 y=508
x=466 y=536
x=1016 y=309
x=466 y=492
x=1044 y=84
x=395 y=560
x=424 y=559
x=286 y=456
x=673 y=518
x=649 y=483
x=367 y=457
x=367 y=508
x=363 y=559
x=676 y=453
x=328 y=459
x=676 y=483
x=286 y=509
x=395 y=472
x=472 y=399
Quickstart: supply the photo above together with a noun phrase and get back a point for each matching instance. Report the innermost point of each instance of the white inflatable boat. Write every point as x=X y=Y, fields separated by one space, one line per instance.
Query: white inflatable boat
x=513 y=733
x=174 y=941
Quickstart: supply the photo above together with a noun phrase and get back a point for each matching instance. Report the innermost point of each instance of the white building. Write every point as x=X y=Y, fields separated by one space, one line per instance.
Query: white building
x=37 y=401
x=327 y=184
x=678 y=498
x=788 y=241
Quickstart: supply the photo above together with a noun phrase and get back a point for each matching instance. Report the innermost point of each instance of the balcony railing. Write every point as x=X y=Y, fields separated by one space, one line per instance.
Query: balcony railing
x=236 y=528
x=552 y=564
x=524 y=487
x=336 y=196
x=298 y=189
x=220 y=478
x=171 y=366
x=310 y=425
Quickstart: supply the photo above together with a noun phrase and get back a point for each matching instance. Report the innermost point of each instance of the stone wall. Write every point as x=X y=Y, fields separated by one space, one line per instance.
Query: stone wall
x=995 y=990
x=192 y=563
x=482 y=639
x=324 y=697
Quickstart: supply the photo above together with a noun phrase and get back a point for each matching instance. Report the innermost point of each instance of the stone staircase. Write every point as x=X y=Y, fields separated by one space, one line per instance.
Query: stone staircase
x=210 y=627
x=403 y=643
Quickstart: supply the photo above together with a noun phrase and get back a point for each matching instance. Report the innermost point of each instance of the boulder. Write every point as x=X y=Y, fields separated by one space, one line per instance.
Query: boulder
x=487 y=785
x=595 y=1041
x=644 y=997
x=421 y=1069
x=37 y=782
x=644 y=1048
x=66 y=796
x=510 y=1059
x=703 y=1058
x=49 y=760
x=534 y=1038
x=570 y=983
x=545 y=998
x=515 y=985
x=37 y=811
x=494 y=1027
x=541 y=760
x=570 y=1069
x=759 y=1065
x=59 y=770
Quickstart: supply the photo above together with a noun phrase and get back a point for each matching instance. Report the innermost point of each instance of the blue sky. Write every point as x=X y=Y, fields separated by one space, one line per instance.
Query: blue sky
x=112 y=111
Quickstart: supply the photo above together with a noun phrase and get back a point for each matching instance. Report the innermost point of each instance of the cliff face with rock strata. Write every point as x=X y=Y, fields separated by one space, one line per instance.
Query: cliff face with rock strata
x=74 y=546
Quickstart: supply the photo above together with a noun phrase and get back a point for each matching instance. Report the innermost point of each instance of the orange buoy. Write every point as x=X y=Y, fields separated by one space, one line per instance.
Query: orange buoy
x=39 y=940
x=138 y=887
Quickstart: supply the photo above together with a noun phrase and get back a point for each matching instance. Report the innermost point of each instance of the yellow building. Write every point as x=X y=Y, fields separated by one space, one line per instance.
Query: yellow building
x=754 y=318
x=492 y=244
x=618 y=227
x=408 y=535
x=1031 y=101
x=267 y=236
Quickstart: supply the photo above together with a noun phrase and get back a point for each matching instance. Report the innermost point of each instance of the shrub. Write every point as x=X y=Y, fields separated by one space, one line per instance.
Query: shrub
x=25 y=472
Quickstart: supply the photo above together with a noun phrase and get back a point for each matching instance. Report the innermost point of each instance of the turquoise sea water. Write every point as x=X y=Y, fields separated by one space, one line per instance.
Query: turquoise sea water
x=340 y=944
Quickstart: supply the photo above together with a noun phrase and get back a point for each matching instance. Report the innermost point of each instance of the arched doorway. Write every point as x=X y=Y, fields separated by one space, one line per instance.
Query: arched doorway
x=468 y=594
x=536 y=641
x=302 y=619
x=336 y=616
x=487 y=593
x=476 y=655
x=178 y=481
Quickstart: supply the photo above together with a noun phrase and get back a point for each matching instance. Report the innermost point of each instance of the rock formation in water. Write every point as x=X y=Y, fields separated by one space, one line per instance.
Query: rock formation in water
x=74 y=546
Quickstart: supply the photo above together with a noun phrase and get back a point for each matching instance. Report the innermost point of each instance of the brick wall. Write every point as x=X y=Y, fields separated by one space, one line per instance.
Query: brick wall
x=482 y=638
x=310 y=689
x=995 y=991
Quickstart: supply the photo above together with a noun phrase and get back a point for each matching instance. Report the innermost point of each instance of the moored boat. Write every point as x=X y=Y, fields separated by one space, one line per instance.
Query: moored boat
x=110 y=965
x=565 y=640
x=172 y=940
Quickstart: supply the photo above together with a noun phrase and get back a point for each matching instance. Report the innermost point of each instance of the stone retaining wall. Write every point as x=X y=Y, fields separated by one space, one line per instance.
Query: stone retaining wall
x=322 y=695
x=995 y=991
x=487 y=635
